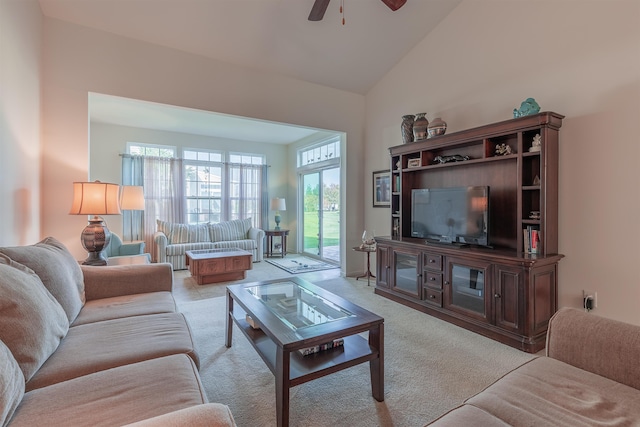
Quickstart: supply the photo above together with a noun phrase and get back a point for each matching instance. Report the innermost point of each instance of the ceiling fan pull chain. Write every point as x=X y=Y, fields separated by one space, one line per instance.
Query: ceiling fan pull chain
x=342 y=10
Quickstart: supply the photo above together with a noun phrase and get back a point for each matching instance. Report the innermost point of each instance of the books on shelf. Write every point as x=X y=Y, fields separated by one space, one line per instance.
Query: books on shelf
x=532 y=239
x=318 y=348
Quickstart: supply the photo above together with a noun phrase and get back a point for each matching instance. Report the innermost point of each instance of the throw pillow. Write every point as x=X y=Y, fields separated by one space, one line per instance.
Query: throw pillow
x=11 y=384
x=32 y=322
x=58 y=270
x=176 y=233
x=236 y=229
x=199 y=233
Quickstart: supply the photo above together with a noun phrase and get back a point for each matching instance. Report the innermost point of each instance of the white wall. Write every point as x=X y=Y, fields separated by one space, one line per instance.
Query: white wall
x=78 y=60
x=580 y=59
x=20 y=73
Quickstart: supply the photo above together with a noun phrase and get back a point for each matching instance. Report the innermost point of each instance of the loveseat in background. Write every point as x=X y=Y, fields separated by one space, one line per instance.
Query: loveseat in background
x=92 y=346
x=173 y=240
x=590 y=376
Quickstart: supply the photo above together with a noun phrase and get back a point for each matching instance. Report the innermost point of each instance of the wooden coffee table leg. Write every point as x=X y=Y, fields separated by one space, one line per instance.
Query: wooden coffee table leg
x=228 y=321
x=283 y=360
x=376 y=366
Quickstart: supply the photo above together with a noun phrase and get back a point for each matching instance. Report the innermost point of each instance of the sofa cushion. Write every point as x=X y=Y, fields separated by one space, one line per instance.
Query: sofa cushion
x=247 y=245
x=595 y=344
x=184 y=233
x=199 y=233
x=467 y=415
x=32 y=323
x=125 y=306
x=58 y=270
x=207 y=415
x=181 y=248
x=94 y=347
x=175 y=232
x=11 y=384
x=230 y=230
x=546 y=391
x=116 y=396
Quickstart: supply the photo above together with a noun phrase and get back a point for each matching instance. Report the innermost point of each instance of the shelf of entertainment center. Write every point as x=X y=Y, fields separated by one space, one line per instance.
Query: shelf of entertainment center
x=460 y=163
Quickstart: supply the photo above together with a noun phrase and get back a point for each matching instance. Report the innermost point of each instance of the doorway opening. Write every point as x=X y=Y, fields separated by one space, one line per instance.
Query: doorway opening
x=320 y=200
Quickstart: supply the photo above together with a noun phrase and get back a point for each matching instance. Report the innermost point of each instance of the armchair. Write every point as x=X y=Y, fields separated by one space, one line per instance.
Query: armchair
x=117 y=249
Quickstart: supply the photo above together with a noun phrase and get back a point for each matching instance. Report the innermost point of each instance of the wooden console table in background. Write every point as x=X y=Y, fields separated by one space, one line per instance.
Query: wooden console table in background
x=283 y=242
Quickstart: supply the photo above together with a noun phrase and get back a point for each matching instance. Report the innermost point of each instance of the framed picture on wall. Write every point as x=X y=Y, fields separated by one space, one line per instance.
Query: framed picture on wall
x=382 y=189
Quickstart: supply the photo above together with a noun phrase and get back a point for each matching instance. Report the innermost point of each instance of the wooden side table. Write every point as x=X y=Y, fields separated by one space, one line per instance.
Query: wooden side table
x=367 y=250
x=283 y=242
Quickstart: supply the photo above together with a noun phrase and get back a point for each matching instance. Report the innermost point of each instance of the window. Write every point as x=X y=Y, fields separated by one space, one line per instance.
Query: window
x=218 y=191
x=323 y=152
x=203 y=174
x=150 y=150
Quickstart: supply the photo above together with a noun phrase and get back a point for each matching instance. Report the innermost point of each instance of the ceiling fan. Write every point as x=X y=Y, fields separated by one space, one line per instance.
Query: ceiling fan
x=320 y=7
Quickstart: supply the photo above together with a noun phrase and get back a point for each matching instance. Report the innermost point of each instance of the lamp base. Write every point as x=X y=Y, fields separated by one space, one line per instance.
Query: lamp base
x=95 y=258
x=95 y=237
x=277 y=218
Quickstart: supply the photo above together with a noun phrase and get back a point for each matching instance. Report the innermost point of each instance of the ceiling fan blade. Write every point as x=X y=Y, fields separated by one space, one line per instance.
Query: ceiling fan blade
x=318 y=10
x=394 y=4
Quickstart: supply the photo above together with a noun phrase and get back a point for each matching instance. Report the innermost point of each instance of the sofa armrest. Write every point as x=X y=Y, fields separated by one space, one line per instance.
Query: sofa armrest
x=257 y=234
x=605 y=347
x=161 y=242
x=206 y=415
x=117 y=280
x=135 y=248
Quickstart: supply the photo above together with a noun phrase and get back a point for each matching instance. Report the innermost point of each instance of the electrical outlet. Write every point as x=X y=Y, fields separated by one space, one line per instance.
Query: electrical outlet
x=589 y=299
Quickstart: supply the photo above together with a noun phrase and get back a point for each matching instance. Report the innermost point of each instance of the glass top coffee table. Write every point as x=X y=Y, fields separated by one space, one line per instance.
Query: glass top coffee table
x=296 y=317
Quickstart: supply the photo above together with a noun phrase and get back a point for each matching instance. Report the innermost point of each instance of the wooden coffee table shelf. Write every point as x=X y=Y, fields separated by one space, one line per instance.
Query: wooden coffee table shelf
x=218 y=265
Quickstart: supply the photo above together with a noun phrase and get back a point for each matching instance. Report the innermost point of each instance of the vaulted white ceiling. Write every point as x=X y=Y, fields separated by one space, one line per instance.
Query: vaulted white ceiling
x=271 y=35
x=268 y=35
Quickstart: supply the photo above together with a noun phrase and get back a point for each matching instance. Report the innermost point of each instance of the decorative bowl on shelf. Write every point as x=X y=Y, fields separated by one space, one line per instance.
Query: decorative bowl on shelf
x=437 y=127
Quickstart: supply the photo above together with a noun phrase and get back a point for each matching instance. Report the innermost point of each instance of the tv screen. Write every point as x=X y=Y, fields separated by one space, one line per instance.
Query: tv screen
x=458 y=215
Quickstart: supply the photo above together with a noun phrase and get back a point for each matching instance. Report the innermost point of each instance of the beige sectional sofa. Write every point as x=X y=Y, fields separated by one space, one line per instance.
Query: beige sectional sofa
x=173 y=240
x=91 y=346
x=589 y=377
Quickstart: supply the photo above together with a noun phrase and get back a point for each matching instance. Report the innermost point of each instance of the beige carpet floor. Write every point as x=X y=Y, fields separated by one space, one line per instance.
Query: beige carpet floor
x=430 y=366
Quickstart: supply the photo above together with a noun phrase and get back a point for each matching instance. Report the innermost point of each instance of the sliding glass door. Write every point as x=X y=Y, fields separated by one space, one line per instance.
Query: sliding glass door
x=321 y=213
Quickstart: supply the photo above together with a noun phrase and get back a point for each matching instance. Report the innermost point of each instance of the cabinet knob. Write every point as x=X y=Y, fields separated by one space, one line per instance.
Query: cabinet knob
x=432 y=278
x=432 y=296
x=432 y=260
x=497 y=295
x=446 y=282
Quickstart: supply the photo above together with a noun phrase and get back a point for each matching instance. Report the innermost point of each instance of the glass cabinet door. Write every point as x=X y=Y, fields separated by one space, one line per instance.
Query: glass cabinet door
x=467 y=290
x=406 y=272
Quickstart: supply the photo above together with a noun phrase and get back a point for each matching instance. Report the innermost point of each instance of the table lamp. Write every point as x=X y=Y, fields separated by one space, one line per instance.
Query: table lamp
x=278 y=204
x=95 y=198
x=132 y=199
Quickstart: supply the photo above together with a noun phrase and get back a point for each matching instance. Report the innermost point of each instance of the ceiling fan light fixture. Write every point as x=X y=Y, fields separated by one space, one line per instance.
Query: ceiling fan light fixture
x=394 y=4
x=320 y=7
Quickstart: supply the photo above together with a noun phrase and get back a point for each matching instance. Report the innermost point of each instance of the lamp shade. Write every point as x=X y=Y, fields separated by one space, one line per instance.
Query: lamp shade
x=95 y=198
x=278 y=204
x=132 y=198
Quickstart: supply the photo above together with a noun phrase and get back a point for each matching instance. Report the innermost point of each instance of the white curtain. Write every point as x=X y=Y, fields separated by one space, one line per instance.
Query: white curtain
x=247 y=193
x=162 y=179
x=132 y=221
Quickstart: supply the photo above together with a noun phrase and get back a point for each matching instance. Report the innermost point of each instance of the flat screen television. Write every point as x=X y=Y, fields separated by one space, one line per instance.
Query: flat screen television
x=457 y=215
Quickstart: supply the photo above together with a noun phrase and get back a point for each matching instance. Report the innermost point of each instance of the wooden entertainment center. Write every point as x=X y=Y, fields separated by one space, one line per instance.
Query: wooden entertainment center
x=502 y=292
